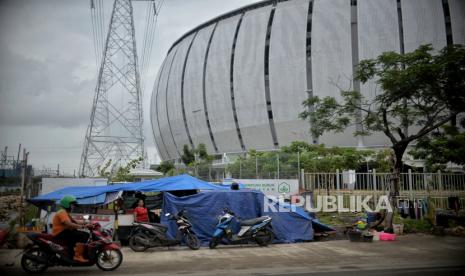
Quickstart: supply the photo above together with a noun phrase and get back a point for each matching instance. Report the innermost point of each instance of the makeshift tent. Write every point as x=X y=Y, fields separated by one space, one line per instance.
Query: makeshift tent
x=204 y=209
x=100 y=194
x=228 y=185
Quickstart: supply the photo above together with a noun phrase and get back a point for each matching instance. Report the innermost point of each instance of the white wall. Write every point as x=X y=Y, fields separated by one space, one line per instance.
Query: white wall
x=52 y=184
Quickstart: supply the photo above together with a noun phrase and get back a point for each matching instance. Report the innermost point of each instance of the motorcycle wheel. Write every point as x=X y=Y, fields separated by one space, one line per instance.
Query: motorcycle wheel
x=32 y=266
x=109 y=259
x=135 y=245
x=263 y=238
x=213 y=242
x=192 y=241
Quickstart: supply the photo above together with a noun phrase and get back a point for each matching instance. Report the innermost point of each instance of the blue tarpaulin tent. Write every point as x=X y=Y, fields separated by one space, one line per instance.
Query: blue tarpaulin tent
x=97 y=194
x=203 y=210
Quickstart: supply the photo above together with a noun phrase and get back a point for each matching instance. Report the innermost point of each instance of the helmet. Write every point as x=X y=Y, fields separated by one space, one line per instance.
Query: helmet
x=67 y=200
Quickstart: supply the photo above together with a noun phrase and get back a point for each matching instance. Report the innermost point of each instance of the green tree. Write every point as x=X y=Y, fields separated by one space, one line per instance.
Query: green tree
x=102 y=171
x=311 y=158
x=203 y=162
x=420 y=92
x=165 y=167
x=201 y=150
x=441 y=147
x=123 y=173
x=187 y=156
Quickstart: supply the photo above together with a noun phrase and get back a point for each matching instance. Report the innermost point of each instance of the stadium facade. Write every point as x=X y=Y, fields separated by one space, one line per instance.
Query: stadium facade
x=237 y=82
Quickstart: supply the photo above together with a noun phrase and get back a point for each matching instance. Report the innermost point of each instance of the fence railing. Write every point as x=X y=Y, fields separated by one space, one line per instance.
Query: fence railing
x=440 y=184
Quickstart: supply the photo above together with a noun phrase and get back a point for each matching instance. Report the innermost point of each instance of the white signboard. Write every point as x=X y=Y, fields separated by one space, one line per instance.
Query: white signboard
x=273 y=187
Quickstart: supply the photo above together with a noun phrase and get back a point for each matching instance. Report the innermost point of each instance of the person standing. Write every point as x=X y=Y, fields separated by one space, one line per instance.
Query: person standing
x=140 y=212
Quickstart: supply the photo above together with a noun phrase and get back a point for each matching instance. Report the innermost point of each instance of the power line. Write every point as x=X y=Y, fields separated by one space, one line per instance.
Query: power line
x=94 y=37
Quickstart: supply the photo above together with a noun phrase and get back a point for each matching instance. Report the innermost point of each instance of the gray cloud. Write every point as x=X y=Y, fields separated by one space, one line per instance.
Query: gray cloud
x=48 y=71
x=43 y=93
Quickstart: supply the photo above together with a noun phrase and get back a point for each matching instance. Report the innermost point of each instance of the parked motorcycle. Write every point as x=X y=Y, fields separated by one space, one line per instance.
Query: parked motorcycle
x=253 y=230
x=145 y=235
x=46 y=251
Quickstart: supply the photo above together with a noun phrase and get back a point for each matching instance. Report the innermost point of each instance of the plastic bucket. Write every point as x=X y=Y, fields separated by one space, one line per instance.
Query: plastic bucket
x=354 y=236
x=367 y=238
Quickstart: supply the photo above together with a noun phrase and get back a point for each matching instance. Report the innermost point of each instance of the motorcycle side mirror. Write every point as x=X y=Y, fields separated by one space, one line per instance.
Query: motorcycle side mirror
x=167 y=214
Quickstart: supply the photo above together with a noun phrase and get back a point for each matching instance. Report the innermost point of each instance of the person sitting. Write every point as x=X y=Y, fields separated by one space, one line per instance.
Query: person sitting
x=140 y=212
x=65 y=228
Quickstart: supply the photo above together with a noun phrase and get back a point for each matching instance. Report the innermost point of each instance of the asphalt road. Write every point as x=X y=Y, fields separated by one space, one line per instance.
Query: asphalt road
x=410 y=255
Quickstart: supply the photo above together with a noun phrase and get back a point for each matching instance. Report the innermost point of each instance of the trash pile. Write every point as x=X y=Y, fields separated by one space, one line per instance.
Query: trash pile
x=9 y=206
x=458 y=231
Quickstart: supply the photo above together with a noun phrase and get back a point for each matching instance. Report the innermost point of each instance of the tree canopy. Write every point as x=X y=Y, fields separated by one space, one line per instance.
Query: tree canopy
x=441 y=147
x=419 y=92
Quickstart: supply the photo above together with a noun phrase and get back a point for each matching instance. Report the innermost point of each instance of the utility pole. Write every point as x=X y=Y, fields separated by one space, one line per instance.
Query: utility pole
x=23 y=184
x=298 y=163
x=17 y=158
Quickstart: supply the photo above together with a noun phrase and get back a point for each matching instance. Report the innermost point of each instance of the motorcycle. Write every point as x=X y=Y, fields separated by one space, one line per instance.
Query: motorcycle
x=46 y=251
x=256 y=230
x=145 y=235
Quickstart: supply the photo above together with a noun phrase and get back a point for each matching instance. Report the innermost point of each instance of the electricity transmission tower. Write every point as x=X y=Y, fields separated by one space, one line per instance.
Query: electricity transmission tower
x=115 y=130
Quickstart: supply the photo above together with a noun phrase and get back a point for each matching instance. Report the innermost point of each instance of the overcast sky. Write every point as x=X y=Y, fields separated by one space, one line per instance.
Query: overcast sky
x=48 y=71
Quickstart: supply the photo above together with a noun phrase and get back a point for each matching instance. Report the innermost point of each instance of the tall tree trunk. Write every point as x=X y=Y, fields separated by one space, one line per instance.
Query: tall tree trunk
x=394 y=186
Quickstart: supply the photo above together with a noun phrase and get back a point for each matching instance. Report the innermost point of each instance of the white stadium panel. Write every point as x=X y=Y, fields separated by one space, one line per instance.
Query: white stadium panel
x=457 y=17
x=423 y=23
x=218 y=87
x=370 y=25
x=193 y=90
x=332 y=58
x=287 y=70
x=159 y=107
x=153 y=111
x=162 y=107
x=378 y=32
x=178 y=128
x=249 y=83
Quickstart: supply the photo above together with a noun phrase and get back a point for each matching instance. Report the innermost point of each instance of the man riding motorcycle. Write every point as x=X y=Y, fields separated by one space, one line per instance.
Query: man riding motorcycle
x=65 y=228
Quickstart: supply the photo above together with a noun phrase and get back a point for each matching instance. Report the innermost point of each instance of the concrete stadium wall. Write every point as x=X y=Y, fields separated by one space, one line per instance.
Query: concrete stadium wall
x=237 y=82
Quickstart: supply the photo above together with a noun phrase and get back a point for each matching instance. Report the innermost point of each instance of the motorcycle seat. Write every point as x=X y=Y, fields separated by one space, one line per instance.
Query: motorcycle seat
x=157 y=225
x=51 y=238
x=253 y=221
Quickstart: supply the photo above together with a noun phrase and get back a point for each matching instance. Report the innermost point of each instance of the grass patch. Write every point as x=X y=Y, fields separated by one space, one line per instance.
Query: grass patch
x=338 y=219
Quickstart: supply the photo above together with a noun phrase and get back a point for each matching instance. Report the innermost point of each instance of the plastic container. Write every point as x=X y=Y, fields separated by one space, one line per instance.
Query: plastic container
x=387 y=237
x=368 y=238
x=354 y=236
x=376 y=236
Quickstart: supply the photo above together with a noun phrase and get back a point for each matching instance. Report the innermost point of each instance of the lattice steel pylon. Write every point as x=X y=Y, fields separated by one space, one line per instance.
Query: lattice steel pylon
x=115 y=130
